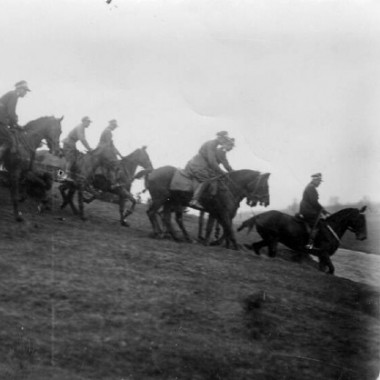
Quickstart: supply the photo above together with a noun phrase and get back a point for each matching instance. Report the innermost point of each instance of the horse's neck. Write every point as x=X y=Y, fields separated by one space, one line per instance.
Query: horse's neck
x=34 y=137
x=235 y=187
x=238 y=180
x=338 y=222
x=130 y=166
x=88 y=163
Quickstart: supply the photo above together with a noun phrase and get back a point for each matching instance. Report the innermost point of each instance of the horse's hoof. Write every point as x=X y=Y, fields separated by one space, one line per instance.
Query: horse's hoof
x=124 y=223
x=19 y=217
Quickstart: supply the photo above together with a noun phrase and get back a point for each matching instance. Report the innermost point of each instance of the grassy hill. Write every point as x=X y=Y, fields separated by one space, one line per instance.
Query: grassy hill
x=94 y=300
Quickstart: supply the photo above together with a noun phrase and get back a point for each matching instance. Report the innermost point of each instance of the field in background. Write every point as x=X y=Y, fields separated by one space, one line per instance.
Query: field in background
x=93 y=300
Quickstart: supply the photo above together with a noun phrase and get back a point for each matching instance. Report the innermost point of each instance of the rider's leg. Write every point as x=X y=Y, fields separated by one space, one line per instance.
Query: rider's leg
x=197 y=195
x=3 y=148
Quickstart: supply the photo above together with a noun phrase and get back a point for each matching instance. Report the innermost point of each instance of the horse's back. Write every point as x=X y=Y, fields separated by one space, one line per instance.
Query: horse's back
x=160 y=178
x=277 y=220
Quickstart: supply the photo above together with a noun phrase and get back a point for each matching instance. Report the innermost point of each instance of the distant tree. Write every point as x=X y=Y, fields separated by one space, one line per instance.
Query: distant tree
x=334 y=201
x=293 y=207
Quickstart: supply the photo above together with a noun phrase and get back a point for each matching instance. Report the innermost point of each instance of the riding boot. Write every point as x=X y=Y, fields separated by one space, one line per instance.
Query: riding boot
x=310 y=243
x=3 y=149
x=197 y=195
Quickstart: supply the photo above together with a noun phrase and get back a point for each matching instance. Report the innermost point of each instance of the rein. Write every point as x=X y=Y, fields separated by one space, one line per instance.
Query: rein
x=333 y=233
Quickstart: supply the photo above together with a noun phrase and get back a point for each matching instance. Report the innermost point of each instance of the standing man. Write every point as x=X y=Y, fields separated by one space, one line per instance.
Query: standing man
x=311 y=209
x=109 y=152
x=8 y=116
x=70 y=145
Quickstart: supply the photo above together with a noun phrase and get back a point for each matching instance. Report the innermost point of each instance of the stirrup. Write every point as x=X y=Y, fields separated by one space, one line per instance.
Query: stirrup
x=309 y=246
x=195 y=204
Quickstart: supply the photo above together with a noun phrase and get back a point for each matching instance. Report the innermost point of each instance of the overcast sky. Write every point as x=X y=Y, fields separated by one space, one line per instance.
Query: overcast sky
x=297 y=83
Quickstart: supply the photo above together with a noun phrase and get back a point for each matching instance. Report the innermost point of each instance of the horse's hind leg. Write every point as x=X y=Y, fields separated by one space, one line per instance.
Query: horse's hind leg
x=256 y=247
x=179 y=220
x=167 y=213
x=14 y=179
x=152 y=215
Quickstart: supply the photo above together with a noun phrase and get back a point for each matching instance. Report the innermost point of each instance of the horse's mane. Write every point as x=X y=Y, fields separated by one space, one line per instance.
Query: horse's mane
x=243 y=172
x=31 y=123
x=125 y=158
x=341 y=213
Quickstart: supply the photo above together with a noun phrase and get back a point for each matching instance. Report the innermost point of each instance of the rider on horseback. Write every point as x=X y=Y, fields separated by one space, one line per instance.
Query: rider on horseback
x=109 y=153
x=69 y=145
x=205 y=165
x=311 y=210
x=8 y=116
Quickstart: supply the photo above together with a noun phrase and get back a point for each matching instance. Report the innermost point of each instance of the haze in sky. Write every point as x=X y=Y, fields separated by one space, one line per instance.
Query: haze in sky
x=296 y=82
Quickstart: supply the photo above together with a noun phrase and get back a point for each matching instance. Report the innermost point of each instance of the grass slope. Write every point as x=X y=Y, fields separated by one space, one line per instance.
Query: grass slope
x=94 y=300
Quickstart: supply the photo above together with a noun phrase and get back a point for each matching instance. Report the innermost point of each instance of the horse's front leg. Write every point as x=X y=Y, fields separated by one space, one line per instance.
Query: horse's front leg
x=125 y=195
x=229 y=234
x=14 y=179
x=209 y=227
x=67 y=192
x=325 y=261
x=80 y=202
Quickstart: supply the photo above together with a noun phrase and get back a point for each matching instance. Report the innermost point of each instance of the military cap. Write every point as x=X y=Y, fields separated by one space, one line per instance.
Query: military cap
x=22 y=84
x=317 y=176
x=86 y=118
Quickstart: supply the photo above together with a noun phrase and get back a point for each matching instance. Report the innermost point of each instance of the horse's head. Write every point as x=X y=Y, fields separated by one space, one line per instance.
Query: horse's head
x=140 y=157
x=258 y=190
x=357 y=223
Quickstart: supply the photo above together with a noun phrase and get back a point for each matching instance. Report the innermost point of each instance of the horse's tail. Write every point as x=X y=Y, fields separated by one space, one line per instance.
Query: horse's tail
x=143 y=173
x=249 y=223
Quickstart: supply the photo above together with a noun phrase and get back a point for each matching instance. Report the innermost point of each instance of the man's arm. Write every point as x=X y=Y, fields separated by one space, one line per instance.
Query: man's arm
x=82 y=138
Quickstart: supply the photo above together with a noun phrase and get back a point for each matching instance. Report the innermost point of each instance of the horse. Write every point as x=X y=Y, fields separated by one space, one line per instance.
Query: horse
x=20 y=158
x=222 y=205
x=126 y=169
x=276 y=227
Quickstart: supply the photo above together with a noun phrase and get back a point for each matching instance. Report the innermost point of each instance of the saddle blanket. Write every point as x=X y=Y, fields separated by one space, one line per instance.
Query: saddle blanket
x=182 y=182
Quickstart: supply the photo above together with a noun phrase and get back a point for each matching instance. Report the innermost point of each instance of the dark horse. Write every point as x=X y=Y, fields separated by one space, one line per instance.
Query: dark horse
x=126 y=169
x=19 y=159
x=222 y=205
x=276 y=227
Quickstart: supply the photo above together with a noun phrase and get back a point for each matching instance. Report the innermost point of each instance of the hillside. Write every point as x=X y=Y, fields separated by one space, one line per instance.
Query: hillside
x=94 y=300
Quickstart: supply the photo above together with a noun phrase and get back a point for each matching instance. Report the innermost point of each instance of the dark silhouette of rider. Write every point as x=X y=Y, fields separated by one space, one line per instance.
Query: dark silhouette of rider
x=205 y=165
x=8 y=116
x=70 y=145
x=311 y=210
x=109 y=153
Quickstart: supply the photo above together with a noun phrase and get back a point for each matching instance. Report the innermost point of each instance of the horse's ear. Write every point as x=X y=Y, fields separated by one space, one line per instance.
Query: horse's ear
x=362 y=210
x=265 y=175
x=61 y=118
x=144 y=147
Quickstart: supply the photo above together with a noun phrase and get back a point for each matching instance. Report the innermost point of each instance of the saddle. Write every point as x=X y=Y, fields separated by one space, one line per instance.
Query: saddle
x=299 y=218
x=181 y=181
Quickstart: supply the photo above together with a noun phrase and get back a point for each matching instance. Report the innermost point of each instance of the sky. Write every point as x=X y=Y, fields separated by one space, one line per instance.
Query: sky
x=296 y=82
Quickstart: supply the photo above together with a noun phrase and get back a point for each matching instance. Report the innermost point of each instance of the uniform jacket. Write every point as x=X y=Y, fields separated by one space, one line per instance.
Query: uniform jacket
x=204 y=165
x=310 y=207
x=8 y=103
x=221 y=157
x=77 y=134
